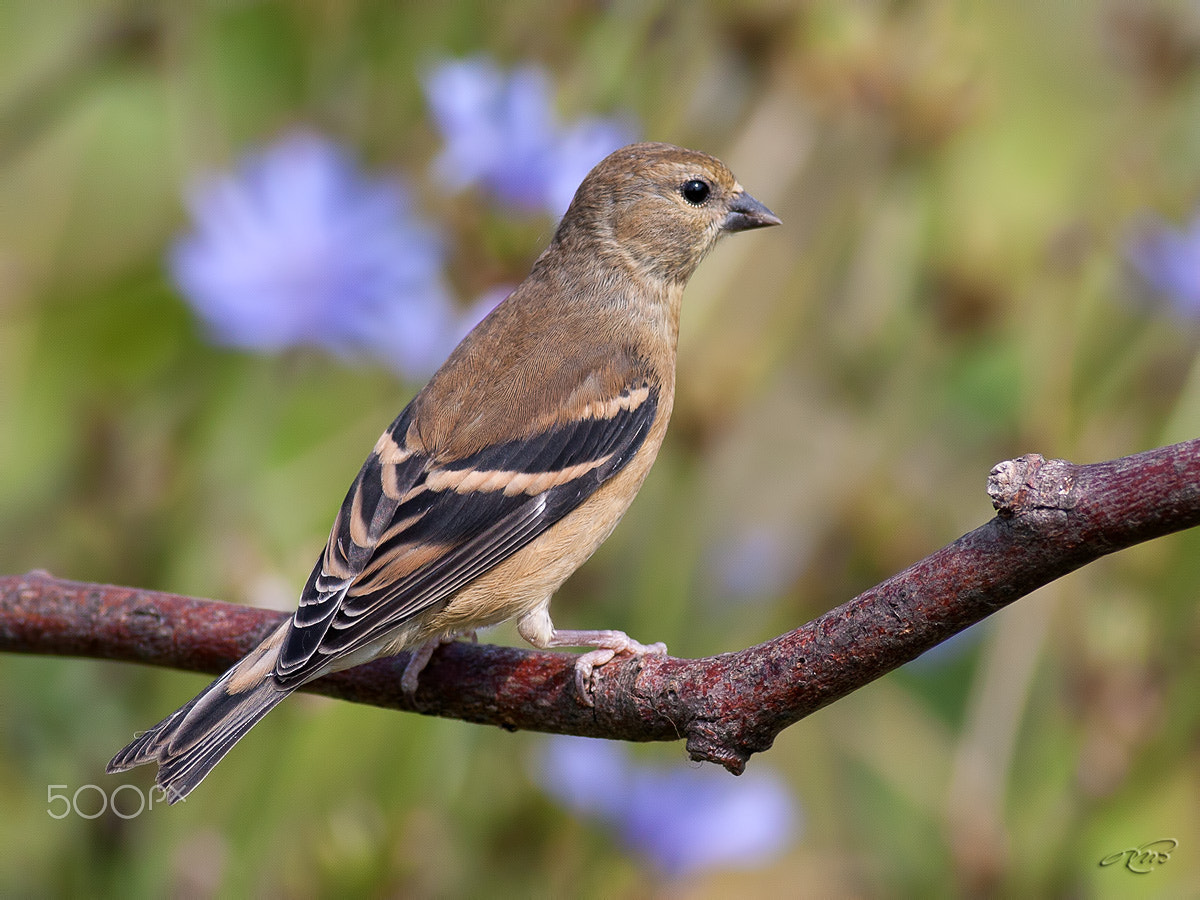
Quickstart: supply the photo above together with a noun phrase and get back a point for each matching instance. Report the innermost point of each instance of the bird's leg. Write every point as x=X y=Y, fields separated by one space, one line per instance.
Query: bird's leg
x=419 y=658
x=537 y=628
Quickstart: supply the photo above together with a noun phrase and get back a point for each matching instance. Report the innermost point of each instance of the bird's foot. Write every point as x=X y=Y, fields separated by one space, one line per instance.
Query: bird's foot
x=607 y=646
x=419 y=659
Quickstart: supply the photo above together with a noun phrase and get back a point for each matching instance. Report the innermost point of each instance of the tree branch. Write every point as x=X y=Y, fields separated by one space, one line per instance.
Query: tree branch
x=1052 y=517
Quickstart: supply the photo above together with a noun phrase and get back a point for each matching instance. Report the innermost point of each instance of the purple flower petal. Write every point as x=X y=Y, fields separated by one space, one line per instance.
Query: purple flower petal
x=1169 y=261
x=691 y=819
x=297 y=247
x=578 y=150
x=502 y=135
x=588 y=775
x=683 y=819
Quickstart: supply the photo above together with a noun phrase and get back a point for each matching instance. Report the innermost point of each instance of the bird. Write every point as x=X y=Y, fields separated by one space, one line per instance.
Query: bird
x=507 y=469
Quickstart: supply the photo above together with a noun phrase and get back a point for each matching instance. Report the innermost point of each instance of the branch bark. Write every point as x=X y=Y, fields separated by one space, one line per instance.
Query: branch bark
x=1052 y=518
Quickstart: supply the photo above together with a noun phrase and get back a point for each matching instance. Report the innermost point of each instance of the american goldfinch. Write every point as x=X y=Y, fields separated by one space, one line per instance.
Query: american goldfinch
x=508 y=469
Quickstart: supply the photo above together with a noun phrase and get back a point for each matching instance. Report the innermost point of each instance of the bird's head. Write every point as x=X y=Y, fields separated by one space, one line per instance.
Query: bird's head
x=660 y=209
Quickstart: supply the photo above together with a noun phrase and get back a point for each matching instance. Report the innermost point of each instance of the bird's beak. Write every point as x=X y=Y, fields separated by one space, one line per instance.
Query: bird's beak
x=745 y=213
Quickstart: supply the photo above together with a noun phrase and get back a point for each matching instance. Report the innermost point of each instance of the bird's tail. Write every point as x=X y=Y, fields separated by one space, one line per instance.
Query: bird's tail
x=189 y=742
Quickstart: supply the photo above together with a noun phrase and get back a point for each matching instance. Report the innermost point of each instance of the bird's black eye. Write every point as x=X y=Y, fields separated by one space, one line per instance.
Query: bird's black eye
x=695 y=191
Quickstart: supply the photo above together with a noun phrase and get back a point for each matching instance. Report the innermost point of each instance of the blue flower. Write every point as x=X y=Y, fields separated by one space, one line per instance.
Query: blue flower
x=502 y=135
x=297 y=247
x=578 y=149
x=685 y=819
x=588 y=776
x=691 y=819
x=1169 y=261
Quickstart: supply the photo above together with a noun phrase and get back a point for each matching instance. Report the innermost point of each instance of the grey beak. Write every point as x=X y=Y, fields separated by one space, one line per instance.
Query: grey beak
x=745 y=213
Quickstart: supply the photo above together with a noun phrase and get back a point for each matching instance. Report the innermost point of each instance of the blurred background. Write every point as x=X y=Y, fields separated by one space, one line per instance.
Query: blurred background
x=236 y=237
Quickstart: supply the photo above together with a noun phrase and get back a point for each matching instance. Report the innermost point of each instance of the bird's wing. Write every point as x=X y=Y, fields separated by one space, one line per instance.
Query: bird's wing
x=413 y=530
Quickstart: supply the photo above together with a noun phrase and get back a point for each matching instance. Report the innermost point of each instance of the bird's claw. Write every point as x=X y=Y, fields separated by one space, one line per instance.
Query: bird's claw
x=586 y=664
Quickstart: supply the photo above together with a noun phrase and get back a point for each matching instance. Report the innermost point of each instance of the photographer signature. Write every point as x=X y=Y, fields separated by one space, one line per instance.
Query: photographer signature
x=1142 y=860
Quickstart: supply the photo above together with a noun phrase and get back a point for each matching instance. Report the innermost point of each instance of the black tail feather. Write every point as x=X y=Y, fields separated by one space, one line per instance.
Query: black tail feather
x=189 y=742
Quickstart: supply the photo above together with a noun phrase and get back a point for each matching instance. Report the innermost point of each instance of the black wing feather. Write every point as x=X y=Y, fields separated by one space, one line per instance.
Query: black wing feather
x=344 y=560
x=341 y=611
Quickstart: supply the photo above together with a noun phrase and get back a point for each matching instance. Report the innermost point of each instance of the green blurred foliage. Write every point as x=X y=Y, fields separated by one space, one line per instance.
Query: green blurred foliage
x=956 y=181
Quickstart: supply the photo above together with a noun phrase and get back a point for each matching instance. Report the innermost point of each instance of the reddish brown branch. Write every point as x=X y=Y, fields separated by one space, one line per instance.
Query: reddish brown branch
x=1053 y=517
